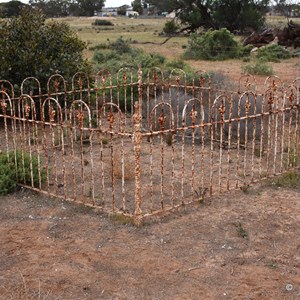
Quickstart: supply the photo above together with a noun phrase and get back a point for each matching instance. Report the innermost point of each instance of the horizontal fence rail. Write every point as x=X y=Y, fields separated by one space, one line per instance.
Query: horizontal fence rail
x=143 y=143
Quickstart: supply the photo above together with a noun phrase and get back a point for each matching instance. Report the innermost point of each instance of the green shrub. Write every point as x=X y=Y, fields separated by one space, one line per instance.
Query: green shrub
x=120 y=46
x=289 y=180
x=245 y=51
x=182 y=65
x=273 y=53
x=31 y=47
x=260 y=67
x=7 y=176
x=213 y=45
x=99 y=22
x=16 y=168
x=170 y=27
x=121 y=54
x=99 y=47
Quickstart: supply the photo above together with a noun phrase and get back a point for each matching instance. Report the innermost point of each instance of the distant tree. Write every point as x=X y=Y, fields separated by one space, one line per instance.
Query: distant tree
x=52 y=8
x=288 y=8
x=162 y=5
x=12 y=8
x=238 y=15
x=31 y=47
x=122 y=10
x=137 y=6
x=57 y=8
x=231 y=14
x=89 y=7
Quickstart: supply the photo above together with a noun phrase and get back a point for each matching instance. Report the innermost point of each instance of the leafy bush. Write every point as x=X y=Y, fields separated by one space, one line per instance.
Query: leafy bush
x=121 y=46
x=16 y=168
x=170 y=27
x=99 y=22
x=99 y=47
x=290 y=179
x=121 y=54
x=245 y=51
x=273 y=53
x=31 y=47
x=213 y=45
x=260 y=67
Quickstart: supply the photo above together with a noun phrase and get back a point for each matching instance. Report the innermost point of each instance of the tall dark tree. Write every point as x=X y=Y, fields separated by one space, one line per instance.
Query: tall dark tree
x=240 y=14
x=122 y=10
x=12 y=8
x=162 y=5
x=57 y=8
x=231 y=14
x=137 y=6
x=89 y=7
x=31 y=47
x=52 y=8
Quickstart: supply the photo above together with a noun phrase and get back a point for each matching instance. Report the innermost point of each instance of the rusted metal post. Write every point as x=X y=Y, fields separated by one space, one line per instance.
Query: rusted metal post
x=137 y=140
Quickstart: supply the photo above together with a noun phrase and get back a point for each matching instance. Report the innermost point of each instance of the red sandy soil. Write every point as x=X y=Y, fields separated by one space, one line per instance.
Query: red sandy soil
x=234 y=246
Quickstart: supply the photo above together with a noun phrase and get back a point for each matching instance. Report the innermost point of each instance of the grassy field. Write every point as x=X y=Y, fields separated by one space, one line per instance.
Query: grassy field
x=140 y=31
x=145 y=34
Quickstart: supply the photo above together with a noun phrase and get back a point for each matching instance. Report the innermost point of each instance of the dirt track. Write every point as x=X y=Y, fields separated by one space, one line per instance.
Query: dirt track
x=236 y=246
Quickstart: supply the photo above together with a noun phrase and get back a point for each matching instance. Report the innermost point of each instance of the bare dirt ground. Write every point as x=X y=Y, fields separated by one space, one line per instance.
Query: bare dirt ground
x=235 y=246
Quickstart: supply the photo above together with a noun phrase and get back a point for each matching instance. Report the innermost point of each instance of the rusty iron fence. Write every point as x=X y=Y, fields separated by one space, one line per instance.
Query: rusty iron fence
x=142 y=143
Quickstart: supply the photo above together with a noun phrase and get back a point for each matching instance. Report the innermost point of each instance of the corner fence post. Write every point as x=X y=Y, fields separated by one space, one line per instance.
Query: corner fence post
x=137 y=140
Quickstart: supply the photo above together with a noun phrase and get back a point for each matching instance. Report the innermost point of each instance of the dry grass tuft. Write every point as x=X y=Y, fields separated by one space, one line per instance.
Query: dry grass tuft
x=124 y=166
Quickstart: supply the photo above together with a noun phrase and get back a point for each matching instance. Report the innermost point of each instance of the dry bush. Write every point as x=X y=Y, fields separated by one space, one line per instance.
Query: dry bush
x=124 y=165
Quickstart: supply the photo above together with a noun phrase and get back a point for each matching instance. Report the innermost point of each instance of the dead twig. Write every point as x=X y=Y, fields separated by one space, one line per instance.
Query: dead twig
x=194 y=268
x=154 y=43
x=24 y=283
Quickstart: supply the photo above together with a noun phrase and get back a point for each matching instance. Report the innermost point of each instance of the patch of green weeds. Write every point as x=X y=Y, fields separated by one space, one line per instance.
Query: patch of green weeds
x=245 y=188
x=213 y=45
x=259 y=67
x=19 y=167
x=104 y=141
x=272 y=264
x=241 y=231
x=169 y=139
x=122 y=219
x=273 y=53
x=81 y=209
x=289 y=180
x=292 y=159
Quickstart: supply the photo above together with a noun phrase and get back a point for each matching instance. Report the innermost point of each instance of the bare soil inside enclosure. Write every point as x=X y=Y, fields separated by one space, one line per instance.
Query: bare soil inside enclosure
x=234 y=246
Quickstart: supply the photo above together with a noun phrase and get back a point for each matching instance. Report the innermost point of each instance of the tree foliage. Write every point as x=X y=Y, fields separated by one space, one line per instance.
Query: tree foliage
x=11 y=8
x=170 y=27
x=89 y=7
x=162 y=5
x=235 y=15
x=51 y=8
x=30 y=47
x=122 y=10
x=57 y=8
x=213 y=45
x=137 y=6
